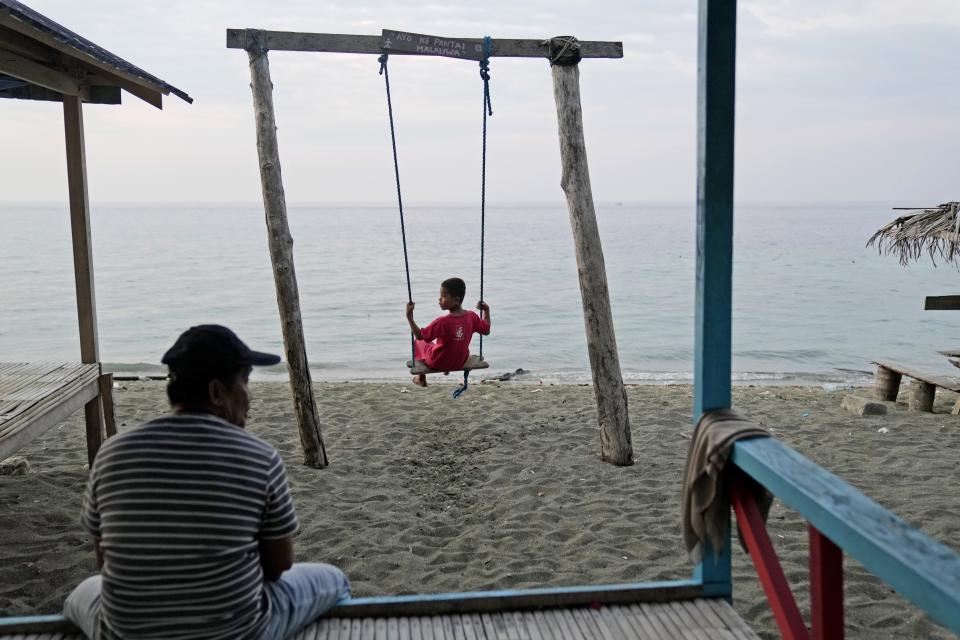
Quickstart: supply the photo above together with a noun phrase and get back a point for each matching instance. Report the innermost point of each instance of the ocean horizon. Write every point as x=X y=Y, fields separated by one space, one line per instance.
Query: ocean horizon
x=811 y=303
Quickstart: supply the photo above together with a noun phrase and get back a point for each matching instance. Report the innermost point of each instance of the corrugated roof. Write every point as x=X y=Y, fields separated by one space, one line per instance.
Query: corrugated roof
x=83 y=46
x=6 y=82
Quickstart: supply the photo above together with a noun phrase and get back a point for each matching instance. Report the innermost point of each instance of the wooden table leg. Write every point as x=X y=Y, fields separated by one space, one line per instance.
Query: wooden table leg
x=886 y=384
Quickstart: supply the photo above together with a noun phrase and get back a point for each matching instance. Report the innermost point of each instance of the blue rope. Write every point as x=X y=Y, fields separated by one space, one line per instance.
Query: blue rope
x=396 y=170
x=487 y=110
x=459 y=390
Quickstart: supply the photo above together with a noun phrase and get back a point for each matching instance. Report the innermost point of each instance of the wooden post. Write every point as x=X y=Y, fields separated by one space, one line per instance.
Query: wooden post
x=281 y=255
x=609 y=392
x=106 y=402
x=774 y=582
x=921 y=395
x=826 y=587
x=886 y=384
x=716 y=65
x=82 y=259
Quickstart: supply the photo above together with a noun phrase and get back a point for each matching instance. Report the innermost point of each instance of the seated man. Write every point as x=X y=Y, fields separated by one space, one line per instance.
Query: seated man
x=192 y=519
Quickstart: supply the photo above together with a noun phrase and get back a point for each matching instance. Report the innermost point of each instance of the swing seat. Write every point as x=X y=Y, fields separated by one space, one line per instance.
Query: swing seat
x=473 y=362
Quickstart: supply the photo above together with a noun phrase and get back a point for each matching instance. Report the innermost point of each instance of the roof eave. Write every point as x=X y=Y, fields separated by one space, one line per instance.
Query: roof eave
x=48 y=34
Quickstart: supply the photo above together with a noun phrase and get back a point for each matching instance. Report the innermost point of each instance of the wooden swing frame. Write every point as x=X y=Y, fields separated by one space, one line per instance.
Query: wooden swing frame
x=564 y=54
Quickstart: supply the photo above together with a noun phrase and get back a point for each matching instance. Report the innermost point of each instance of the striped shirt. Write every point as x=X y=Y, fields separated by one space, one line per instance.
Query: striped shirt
x=179 y=505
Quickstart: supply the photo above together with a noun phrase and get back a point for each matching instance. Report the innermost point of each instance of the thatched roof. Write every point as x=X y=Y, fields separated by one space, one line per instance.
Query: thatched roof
x=935 y=230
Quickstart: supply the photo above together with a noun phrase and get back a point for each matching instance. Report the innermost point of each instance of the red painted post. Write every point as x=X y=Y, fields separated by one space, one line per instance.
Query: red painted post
x=826 y=587
x=754 y=531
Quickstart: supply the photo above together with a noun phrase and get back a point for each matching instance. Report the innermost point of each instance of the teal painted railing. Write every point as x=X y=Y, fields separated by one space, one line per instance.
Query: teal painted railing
x=923 y=570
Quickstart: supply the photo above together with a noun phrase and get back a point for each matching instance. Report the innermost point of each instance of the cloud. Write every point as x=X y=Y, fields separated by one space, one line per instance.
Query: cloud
x=791 y=18
x=823 y=77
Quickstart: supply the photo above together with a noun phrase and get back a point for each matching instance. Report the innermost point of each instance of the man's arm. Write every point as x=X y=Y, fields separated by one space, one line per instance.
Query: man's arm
x=413 y=325
x=276 y=556
x=98 y=552
x=278 y=524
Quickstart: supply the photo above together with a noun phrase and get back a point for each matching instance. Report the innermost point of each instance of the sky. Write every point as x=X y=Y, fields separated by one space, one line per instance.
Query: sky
x=838 y=100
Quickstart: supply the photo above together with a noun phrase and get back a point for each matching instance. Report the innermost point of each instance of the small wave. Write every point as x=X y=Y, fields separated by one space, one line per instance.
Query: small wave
x=134 y=367
x=789 y=355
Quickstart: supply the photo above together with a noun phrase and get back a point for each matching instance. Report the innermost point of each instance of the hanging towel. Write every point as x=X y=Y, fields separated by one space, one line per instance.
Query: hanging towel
x=706 y=503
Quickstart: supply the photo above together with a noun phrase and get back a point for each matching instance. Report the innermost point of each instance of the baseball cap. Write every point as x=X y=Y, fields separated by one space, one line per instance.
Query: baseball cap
x=209 y=349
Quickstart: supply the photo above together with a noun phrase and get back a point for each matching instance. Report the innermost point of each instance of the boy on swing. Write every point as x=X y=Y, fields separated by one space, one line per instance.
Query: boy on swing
x=444 y=344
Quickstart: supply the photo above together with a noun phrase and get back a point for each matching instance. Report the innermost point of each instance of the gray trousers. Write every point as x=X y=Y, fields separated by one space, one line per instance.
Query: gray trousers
x=301 y=595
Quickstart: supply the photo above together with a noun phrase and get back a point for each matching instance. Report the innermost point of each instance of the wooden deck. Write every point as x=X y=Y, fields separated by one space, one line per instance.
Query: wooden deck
x=678 y=620
x=37 y=396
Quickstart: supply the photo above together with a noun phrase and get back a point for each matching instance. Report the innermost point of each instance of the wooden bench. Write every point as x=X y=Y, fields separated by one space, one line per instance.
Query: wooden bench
x=922 y=387
x=35 y=397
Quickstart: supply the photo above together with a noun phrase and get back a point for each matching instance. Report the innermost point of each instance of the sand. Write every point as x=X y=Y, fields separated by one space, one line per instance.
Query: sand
x=504 y=488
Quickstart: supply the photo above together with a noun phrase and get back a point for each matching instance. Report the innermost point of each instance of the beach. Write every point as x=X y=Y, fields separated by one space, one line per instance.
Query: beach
x=504 y=488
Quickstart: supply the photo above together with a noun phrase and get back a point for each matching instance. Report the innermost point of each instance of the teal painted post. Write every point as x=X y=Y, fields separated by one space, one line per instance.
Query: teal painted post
x=716 y=65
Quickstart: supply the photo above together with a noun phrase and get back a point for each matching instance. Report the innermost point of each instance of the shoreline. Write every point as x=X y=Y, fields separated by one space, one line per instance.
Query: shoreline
x=504 y=488
x=843 y=379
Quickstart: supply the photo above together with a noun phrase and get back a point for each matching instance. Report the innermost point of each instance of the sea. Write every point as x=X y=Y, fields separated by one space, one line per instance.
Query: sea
x=812 y=304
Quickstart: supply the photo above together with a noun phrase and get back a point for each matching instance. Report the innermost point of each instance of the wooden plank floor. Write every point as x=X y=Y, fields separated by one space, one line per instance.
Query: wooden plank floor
x=702 y=619
x=36 y=396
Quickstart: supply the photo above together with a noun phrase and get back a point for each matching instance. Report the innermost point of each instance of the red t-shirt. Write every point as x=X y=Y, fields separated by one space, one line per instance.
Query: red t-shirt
x=446 y=340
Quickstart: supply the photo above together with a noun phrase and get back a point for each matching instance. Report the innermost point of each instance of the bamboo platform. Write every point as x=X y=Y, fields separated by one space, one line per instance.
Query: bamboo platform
x=37 y=396
x=677 y=620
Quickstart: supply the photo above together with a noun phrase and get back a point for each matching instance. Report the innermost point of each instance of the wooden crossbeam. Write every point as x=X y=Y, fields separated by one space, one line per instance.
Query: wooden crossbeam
x=517 y=599
x=97 y=95
x=346 y=43
x=19 y=43
x=149 y=96
x=41 y=75
x=942 y=303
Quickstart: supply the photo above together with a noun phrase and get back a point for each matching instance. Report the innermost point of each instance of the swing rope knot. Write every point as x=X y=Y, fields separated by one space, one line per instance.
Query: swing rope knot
x=256 y=47
x=485 y=72
x=383 y=62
